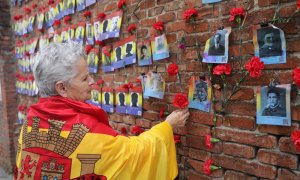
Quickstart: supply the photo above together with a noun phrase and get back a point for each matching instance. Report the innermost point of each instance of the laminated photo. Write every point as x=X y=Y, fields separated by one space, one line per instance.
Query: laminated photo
x=79 y=34
x=89 y=2
x=93 y=60
x=144 y=53
x=97 y=30
x=216 y=47
x=95 y=96
x=122 y=100
x=199 y=94
x=40 y=20
x=80 y=5
x=118 y=56
x=273 y=105
x=89 y=34
x=30 y=23
x=210 y=1
x=129 y=50
x=135 y=101
x=155 y=85
x=160 y=49
x=269 y=44
x=107 y=99
x=111 y=25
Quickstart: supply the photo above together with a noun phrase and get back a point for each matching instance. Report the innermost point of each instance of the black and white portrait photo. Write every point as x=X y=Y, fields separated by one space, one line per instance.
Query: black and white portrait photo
x=273 y=105
x=200 y=94
x=275 y=102
x=217 y=45
x=269 y=42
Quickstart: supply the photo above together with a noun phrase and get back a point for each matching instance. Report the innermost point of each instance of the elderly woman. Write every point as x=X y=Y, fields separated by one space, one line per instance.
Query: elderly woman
x=66 y=138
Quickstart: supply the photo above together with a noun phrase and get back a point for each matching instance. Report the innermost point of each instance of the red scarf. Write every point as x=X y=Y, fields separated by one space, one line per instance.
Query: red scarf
x=71 y=111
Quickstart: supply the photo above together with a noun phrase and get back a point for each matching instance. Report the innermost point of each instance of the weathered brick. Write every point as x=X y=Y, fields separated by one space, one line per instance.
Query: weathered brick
x=277 y=158
x=239 y=150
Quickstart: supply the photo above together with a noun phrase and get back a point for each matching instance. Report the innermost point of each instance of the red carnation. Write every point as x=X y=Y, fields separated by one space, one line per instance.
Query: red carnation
x=16 y=17
x=123 y=131
x=177 y=139
x=180 y=101
x=100 y=43
x=34 y=6
x=88 y=48
x=87 y=14
x=222 y=69
x=162 y=112
x=18 y=75
x=236 y=14
x=254 y=66
x=137 y=80
x=27 y=10
x=25 y=35
x=136 y=130
x=41 y=30
x=131 y=28
x=31 y=78
x=106 y=53
x=101 y=16
x=122 y=4
x=67 y=19
x=159 y=26
x=100 y=82
x=207 y=165
x=41 y=9
x=56 y=23
x=190 y=14
x=296 y=76
x=295 y=136
x=27 y=53
x=298 y=4
x=50 y=2
x=172 y=69
x=209 y=140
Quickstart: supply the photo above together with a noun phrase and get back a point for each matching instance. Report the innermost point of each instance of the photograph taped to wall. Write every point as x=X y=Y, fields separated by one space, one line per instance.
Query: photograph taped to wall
x=118 y=56
x=40 y=20
x=121 y=100
x=155 y=85
x=107 y=99
x=89 y=2
x=216 y=47
x=93 y=60
x=31 y=23
x=144 y=53
x=97 y=30
x=79 y=34
x=199 y=94
x=95 y=96
x=269 y=44
x=89 y=34
x=129 y=50
x=159 y=46
x=273 y=105
x=110 y=26
x=135 y=101
x=80 y=5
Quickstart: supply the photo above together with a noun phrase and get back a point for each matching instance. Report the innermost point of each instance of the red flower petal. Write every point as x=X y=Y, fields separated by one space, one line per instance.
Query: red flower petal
x=180 y=101
x=172 y=69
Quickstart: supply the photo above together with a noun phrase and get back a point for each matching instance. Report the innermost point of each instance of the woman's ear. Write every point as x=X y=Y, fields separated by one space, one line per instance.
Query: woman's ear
x=61 y=88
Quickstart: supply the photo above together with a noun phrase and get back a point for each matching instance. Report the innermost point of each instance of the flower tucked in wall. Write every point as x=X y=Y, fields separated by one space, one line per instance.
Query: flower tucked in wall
x=177 y=139
x=106 y=52
x=50 y=2
x=298 y=4
x=209 y=167
x=138 y=80
x=34 y=6
x=172 y=69
x=100 y=43
x=128 y=86
x=209 y=140
x=295 y=136
x=296 y=76
x=67 y=19
x=101 y=16
x=180 y=101
x=56 y=23
x=122 y=4
x=237 y=14
x=131 y=28
x=123 y=131
x=87 y=14
x=159 y=26
x=27 y=10
x=136 y=130
x=88 y=48
x=254 y=67
x=100 y=82
x=222 y=69
x=190 y=15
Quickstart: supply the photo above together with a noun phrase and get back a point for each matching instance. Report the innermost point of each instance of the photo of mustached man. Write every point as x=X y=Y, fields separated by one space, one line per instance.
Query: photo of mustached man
x=269 y=42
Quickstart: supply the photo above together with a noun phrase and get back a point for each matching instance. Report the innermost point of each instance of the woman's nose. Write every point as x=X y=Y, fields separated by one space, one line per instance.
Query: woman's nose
x=92 y=81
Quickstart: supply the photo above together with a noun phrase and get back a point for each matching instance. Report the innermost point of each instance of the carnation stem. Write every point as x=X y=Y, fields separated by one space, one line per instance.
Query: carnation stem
x=179 y=79
x=213 y=100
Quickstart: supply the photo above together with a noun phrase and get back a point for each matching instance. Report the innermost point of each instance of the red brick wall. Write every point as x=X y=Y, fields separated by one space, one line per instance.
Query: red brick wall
x=247 y=150
x=8 y=100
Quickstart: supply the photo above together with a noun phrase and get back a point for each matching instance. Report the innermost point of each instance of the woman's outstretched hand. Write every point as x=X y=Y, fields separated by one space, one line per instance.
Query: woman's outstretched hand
x=178 y=117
